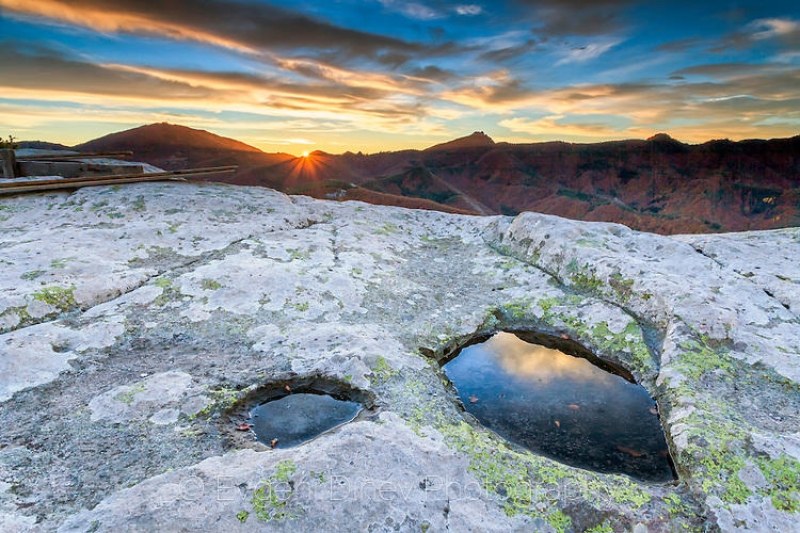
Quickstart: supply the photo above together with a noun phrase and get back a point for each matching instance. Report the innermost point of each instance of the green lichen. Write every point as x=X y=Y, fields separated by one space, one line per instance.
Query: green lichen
x=517 y=310
x=603 y=527
x=628 y=341
x=560 y=522
x=783 y=476
x=622 y=286
x=221 y=399
x=169 y=292
x=301 y=306
x=698 y=357
x=32 y=274
x=720 y=467
x=386 y=229
x=297 y=255
x=21 y=313
x=494 y=465
x=546 y=304
x=523 y=479
x=129 y=395
x=267 y=504
x=210 y=284
x=583 y=277
x=164 y=283
x=62 y=298
x=382 y=370
x=139 y=204
x=675 y=505
x=58 y=263
x=242 y=516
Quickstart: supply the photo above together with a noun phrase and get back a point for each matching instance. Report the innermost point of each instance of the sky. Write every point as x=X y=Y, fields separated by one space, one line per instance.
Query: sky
x=376 y=75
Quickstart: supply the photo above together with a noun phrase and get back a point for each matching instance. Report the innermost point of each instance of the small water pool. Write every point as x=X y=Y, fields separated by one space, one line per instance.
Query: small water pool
x=299 y=417
x=562 y=406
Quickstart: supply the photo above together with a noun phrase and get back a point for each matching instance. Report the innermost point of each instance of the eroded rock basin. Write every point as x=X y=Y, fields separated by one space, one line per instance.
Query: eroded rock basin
x=562 y=406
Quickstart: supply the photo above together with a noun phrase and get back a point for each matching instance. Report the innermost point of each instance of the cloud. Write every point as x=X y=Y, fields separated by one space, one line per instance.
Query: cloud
x=559 y=18
x=734 y=102
x=499 y=55
x=432 y=73
x=585 y=53
x=367 y=101
x=784 y=32
x=246 y=27
x=774 y=27
x=413 y=10
x=469 y=10
x=32 y=67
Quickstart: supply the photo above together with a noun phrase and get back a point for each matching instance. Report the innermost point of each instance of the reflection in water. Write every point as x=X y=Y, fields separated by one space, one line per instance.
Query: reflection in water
x=535 y=362
x=561 y=406
x=296 y=418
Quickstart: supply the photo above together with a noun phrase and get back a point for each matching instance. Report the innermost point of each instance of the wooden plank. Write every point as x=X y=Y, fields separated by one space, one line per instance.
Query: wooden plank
x=9 y=163
x=174 y=173
x=68 y=184
x=68 y=157
x=75 y=169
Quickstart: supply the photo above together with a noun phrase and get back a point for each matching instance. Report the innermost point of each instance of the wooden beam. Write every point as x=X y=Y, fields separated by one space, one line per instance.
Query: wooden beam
x=9 y=163
x=193 y=172
x=67 y=157
x=68 y=185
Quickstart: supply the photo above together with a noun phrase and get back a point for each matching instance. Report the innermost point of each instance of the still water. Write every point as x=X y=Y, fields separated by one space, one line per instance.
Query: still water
x=300 y=417
x=562 y=406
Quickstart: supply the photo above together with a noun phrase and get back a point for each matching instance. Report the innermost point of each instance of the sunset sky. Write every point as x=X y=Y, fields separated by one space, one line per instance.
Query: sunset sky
x=376 y=75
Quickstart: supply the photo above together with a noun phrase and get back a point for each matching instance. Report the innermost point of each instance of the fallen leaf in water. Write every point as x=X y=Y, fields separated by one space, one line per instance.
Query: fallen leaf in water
x=558 y=424
x=574 y=406
x=630 y=451
x=653 y=410
x=273 y=443
x=473 y=399
x=244 y=426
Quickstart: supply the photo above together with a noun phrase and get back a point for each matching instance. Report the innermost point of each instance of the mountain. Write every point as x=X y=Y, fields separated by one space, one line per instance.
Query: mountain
x=477 y=140
x=41 y=145
x=174 y=147
x=660 y=184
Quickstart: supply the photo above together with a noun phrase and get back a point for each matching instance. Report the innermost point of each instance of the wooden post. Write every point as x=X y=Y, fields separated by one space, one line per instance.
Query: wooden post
x=9 y=163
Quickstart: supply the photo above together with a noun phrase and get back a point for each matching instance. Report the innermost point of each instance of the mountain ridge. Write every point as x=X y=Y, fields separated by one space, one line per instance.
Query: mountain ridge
x=658 y=184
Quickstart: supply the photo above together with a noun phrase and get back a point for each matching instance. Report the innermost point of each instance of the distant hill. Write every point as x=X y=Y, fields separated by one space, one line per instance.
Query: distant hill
x=659 y=184
x=477 y=140
x=41 y=145
x=167 y=136
x=174 y=147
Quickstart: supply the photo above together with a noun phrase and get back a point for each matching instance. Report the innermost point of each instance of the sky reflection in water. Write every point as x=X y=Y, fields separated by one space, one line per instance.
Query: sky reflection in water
x=561 y=406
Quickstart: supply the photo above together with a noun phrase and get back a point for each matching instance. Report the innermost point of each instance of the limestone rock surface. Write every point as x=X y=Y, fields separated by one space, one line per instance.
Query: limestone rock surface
x=134 y=319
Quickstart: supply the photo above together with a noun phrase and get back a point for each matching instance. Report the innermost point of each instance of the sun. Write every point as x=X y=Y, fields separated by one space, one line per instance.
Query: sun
x=305 y=154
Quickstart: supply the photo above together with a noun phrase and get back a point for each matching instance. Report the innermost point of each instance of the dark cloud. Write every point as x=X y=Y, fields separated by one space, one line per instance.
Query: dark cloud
x=680 y=45
x=784 y=33
x=393 y=59
x=562 y=18
x=433 y=73
x=502 y=55
x=35 y=67
x=253 y=25
x=721 y=70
